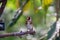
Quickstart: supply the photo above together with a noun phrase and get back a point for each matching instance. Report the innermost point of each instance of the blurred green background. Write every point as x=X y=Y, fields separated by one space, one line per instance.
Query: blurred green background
x=42 y=13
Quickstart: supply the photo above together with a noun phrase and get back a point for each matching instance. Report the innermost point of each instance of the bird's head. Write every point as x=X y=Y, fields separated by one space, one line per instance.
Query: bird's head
x=29 y=20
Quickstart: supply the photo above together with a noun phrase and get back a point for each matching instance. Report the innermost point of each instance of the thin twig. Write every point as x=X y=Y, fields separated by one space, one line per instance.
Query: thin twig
x=43 y=37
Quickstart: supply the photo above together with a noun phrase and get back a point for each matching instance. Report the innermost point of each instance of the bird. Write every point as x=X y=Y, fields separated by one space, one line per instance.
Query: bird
x=29 y=24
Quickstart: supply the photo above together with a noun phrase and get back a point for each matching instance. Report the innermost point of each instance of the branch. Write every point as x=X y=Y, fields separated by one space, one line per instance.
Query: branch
x=17 y=34
x=52 y=34
x=18 y=14
x=3 y=6
x=57 y=2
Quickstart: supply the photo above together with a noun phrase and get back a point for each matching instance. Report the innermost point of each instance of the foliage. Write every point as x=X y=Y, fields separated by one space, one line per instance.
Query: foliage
x=39 y=16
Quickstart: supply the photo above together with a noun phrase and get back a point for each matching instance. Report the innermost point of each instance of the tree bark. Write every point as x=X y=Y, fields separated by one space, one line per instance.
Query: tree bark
x=3 y=6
